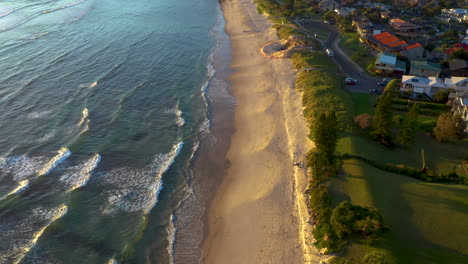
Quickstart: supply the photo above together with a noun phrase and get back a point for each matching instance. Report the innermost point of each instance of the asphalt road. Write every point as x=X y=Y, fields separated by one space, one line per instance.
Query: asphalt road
x=365 y=82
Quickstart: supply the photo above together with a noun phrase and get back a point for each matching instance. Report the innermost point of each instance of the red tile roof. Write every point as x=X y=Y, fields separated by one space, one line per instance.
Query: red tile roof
x=396 y=44
x=413 y=46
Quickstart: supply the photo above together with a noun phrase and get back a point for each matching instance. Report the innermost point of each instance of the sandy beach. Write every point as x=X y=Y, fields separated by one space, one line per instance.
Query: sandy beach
x=258 y=214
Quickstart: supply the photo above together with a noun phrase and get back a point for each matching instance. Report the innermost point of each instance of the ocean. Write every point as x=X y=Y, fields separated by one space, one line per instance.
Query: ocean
x=106 y=110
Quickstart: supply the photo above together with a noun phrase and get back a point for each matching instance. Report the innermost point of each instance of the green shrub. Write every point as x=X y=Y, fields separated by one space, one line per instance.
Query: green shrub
x=451 y=177
x=375 y=258
x=348 y=219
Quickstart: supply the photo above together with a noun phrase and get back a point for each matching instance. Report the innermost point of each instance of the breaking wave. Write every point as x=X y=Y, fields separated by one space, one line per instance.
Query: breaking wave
x=78 y=176
x=135 y=190
x=20 y=235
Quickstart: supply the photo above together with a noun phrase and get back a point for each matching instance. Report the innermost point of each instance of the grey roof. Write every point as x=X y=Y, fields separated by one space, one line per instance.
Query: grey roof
x=458 y=64
x=425 y=65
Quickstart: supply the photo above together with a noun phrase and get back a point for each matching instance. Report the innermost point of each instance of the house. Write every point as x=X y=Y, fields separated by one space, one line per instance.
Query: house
x=460 y=106
x=358 y=19
x=388 y=63
x=401 y=26
x=365 y=29
x=345 y=11
x=413 y=52
x=328 y=5
x=458 y=68
x=457 y=46
x=424 y=68
x=386 y=14
x=455 y=14
x=386 y=42
x=429 y=86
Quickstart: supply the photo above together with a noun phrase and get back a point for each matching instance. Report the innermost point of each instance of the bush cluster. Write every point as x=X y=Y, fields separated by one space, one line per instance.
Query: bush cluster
x=450 y=177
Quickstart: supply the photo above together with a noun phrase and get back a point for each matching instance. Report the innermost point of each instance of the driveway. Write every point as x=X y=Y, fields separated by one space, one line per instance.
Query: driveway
x=365 y=82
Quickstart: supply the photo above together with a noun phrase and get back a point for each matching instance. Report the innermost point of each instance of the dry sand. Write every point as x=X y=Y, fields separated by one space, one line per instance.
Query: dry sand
x=258 y=214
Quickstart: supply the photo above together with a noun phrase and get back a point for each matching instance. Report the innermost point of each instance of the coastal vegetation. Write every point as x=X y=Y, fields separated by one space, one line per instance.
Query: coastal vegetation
x=374 y=202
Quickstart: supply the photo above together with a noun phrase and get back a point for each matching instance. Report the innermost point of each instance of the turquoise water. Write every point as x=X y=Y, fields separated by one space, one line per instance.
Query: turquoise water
x=102 y=107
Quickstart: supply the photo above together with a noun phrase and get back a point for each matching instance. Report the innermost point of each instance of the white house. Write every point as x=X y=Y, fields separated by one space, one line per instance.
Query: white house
x=458 y=14
x=387 y=62
x=460 y=106
x=431 y=85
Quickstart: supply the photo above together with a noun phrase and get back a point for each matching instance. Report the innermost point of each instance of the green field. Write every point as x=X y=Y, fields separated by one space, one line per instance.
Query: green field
x=428 y=222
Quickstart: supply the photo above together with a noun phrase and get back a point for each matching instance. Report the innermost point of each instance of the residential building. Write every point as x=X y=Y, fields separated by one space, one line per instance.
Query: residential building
x=460 y=106
x=403 y=26
x=429 y=86
x=345 y=11
x=456 y=14
x=328 y=5
x=413 y=52
x=386 y=42
x=458 y=68
x=388 y=63
x=424 y=68
x=359 y=19
x=448 y=52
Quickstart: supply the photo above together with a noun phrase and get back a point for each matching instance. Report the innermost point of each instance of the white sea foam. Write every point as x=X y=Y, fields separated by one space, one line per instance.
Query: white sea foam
x=20 y=234
x=84 y=116
x=178 y=113
x=78 y=176
x=39 y=114
x=171 y=235
x=205 y=126
x=133 y=190
x=46 y=137
x=22 y=167
x=88 y=85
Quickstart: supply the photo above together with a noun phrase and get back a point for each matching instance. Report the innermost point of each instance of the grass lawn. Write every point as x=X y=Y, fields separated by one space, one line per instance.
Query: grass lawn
x=321 y=34
x=440 y=157
x=356 y=50
x=428 y=222
x=364 y=103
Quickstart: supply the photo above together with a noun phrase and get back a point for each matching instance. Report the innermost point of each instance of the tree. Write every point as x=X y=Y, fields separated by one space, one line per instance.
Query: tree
x=449 y=128
x=392 y=86
x=326 y=136
x=441 y=96
x=460 y=54
x=383 y=119
x=408 y=127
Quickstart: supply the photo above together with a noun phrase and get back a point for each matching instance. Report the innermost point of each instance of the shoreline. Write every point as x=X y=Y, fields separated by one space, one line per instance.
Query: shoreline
x=259 y=212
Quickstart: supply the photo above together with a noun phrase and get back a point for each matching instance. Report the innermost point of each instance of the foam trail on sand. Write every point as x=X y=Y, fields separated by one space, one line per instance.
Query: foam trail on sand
x=132 y=190
x=78 y=176
x=62 y=155
x=171 y=235
x=20 y=235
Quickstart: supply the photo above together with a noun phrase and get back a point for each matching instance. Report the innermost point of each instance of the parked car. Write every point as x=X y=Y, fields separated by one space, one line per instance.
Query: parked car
x=376 y=91
x=326 y=22
x=384 y=82
x=329 y=52
x=350 y=81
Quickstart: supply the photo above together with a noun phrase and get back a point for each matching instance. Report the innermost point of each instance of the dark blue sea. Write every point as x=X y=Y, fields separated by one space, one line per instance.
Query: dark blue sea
x=104 y=106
